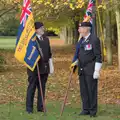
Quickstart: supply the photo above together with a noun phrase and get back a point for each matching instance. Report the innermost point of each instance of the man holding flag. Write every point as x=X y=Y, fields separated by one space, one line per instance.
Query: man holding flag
x=45 y=66
x=89 y=61
x=33 y=50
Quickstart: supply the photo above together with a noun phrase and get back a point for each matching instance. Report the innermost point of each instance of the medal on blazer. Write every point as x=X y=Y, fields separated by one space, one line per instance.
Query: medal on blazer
x=88 y=47
x=87 y=41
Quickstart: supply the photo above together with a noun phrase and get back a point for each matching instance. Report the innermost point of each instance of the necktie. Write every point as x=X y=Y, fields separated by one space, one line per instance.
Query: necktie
x=41 y=38
x=83 y=40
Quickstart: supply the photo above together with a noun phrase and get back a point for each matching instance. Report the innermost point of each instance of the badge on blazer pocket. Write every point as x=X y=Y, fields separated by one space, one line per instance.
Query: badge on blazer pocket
x=88 y=47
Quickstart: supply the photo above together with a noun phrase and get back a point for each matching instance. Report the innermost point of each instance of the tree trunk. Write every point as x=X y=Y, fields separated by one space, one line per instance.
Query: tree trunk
x=76 y=33
x=70 y=35
x=114 y=35
x=118 y=30
x=63 y=34
x=108 y=39
x=66 y=34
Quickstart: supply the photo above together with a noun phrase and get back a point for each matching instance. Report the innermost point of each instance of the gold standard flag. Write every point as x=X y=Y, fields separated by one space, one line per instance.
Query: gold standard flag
x=26 y=50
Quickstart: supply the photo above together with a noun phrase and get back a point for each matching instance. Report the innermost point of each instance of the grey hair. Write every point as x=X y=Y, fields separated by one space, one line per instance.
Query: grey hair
x=89 y=28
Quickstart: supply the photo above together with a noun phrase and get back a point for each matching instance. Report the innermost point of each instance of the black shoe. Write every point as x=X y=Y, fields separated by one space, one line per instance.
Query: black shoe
x=93 y=115
x=41 y=110
x=84 y=113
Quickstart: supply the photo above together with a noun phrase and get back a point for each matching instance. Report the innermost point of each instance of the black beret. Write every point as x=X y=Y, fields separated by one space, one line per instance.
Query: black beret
x=85 y=24
x=38 y=25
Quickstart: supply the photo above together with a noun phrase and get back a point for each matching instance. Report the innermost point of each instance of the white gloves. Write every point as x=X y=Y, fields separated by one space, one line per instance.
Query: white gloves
x=96 y=73
x=51 y=66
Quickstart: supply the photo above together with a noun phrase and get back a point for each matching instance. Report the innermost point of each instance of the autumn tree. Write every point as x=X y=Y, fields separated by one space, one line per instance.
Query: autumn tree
x=117 y=12
x=8 y=22
x=61 y=14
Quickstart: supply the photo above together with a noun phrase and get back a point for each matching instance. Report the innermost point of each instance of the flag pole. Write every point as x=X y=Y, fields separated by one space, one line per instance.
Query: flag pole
x=65 y=98
x=41 y=91
x=94 y=28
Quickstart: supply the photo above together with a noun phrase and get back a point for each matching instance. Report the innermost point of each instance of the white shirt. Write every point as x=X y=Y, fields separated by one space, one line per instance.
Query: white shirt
x=39 y=36
x=86 y=37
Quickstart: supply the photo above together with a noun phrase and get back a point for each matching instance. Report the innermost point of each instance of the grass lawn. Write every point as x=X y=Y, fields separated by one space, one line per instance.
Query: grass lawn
x=16 y=111
x=8 y=42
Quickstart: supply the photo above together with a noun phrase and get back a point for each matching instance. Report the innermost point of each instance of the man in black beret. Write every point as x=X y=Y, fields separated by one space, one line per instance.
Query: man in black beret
x=45 y=67
x=89 y=61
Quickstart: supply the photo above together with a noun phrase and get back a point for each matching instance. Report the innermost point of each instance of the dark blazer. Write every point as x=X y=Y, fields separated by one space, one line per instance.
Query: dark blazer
x=88 y=52
x=43 y=63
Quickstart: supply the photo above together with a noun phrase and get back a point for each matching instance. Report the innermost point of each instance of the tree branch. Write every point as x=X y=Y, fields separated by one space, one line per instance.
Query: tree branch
x=9 y=10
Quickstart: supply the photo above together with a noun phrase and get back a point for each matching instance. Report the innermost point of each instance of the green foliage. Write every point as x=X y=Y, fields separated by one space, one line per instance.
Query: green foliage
x=57 y=13
x=8 y=22
x=54 y=13
x=55 y=30
x=2 y=60
x=9 y=27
